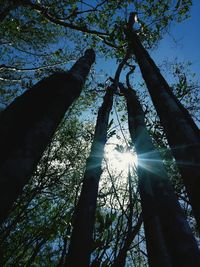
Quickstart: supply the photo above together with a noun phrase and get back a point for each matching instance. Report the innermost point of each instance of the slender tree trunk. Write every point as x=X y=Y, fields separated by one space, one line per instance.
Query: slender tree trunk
x=64 y=250
x=36 y=250
x=28 y=124
x=121 y=257
x=81 y=239
x=179 y=241
x=61 y=261
x=181 y=131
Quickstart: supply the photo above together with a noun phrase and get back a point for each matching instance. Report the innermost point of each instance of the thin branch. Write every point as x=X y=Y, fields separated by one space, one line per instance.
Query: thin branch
x=50 y=17
x=2 y=67
x=92 y=9
x=120 y=67
x=128 y=76
x=122 y=131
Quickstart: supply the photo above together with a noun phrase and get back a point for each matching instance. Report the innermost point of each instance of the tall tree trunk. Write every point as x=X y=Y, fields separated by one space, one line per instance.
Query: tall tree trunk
x=28 y=124
x=179 y=241
x=81 y=239
x=120 y=259
x=181 y=131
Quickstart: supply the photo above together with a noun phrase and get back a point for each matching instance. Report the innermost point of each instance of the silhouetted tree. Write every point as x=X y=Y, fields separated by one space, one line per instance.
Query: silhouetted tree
x=81 y=240
x=181 y=131
x=28 y=124
x=170 y=241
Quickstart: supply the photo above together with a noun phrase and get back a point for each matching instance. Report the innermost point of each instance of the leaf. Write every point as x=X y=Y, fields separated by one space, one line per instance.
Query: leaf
x=111 y=134
x=178 y=4
x=110 y=124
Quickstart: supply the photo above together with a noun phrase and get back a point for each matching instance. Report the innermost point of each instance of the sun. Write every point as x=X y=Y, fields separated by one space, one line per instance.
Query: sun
x=120 y=161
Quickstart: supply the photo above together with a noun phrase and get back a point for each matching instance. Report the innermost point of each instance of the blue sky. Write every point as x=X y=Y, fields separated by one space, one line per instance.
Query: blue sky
x=187 y=36
x=182 y=42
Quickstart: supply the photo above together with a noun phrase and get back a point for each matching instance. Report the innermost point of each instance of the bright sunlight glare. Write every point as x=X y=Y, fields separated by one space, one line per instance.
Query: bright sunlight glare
x=120 y=160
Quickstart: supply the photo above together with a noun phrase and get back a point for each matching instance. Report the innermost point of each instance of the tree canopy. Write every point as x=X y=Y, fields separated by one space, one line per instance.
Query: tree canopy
x=39 y=38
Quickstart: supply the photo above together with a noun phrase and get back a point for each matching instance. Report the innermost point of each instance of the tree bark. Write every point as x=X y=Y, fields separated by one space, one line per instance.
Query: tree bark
x=81 y=239
x=159 y=202
x=181 y=131
x=28 y=124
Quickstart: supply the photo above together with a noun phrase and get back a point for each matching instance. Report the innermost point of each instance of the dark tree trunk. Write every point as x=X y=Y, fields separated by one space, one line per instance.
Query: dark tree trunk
x=28 y=124
x=62 y=259
x=158 y=198
x=181 y=131
x=81 y=239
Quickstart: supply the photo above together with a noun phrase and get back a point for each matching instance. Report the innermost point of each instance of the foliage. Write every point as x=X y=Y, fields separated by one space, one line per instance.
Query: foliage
x=40 y=37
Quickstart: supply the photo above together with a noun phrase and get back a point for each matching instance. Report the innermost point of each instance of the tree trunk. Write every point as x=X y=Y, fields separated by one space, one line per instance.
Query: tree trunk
x=28 y=124
x=161 y=201
x=81 y=239
x=121 y=257
x=36 y=250
x=181 y=131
